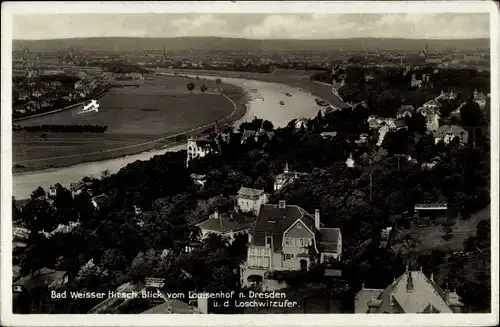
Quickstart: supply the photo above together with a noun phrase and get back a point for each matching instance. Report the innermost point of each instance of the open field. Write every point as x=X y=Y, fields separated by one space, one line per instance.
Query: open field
x=297 y=78
x=139 y=118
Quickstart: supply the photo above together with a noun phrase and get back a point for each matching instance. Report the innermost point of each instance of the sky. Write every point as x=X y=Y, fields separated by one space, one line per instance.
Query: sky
x=253 y=26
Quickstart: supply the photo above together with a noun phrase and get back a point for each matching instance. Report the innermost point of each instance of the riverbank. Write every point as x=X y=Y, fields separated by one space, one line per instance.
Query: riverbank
x=157 y=115
x=238 y=102
x=300 y=104
x=103 y=93
x=295 y=78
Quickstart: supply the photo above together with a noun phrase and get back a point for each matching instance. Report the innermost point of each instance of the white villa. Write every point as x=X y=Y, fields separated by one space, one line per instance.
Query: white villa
x=199 y=147
x=250 y=200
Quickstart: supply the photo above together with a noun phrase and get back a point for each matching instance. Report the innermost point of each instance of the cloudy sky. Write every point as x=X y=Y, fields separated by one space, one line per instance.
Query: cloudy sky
x=256 y=26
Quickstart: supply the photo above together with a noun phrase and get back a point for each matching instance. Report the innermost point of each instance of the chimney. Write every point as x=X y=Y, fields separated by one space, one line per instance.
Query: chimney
x=432 y=276
x=282 y=204
x=317 y=219
x=409 y=283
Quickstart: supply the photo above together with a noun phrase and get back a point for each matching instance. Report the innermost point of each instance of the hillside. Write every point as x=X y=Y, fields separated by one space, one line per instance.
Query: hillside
x=233 y=44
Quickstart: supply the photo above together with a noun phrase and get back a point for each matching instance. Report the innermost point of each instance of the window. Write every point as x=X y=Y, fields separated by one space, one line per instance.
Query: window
x=299 y=226
x=288 y=256
x=301 y=242
x=287 y=242
x=269 y=240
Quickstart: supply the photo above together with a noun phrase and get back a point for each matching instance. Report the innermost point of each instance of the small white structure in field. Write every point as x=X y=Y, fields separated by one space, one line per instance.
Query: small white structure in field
x=89 y=107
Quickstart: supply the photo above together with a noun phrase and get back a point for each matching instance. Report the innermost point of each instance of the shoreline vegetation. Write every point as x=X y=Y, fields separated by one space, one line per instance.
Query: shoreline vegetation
x=101 y=94
x=61 y=128
x=238 y=99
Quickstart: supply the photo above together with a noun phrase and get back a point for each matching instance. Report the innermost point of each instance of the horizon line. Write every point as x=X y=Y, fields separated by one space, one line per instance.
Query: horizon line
x=258 y=39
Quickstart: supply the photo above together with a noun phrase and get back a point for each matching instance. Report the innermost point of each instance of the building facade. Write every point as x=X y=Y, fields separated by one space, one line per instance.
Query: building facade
x=250 y=200
x=283 y=238
x=199 y=147
x=448 y=133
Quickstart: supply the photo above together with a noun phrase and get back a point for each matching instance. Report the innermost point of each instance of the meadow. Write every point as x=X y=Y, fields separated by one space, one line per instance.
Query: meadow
x=139 y=115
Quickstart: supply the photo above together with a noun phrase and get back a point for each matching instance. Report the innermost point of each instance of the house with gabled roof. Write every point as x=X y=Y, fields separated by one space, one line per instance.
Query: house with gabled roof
x=431 y=115
x=286 y=178
x=228 y=224
x=432 y=104
x=282 y=239
x=248 y=134
x=43 y=278
x=405 y=110
x=480 y=98
x=199 y=147
x=78 y=188
x=250 y=200
x=412 y=292
x=448 y=133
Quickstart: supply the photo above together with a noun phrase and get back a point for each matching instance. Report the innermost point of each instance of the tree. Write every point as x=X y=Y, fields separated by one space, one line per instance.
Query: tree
x=471 y=114
x=143 y=265
x=448 y=230
x=190 y=86
x=203 y=88
x=267 y=126
x=218 y=81
x=37 y=193
x=113 y=259
x=416 y=124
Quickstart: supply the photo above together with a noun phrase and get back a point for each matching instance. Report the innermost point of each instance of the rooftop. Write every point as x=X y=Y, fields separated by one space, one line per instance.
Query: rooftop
x=227 y=222
x=250 y=193
x=43 y=277
x=274 y=221
x=412 y=292
x=452 y=129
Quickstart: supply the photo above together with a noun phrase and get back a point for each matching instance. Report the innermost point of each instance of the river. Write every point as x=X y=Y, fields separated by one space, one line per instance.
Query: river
x=268 y=107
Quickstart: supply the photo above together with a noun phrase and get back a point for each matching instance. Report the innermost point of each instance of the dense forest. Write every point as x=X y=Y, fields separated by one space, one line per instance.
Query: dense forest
x=126 y=243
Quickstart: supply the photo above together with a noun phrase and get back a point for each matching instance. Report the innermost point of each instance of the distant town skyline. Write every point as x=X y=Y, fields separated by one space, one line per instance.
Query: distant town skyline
x=253 y=26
